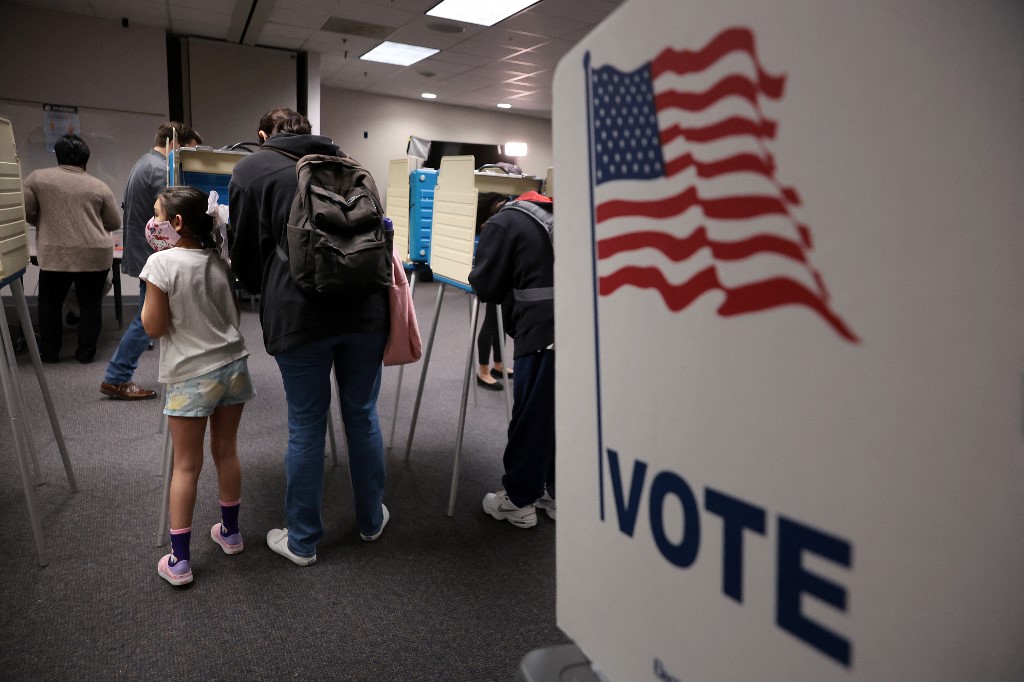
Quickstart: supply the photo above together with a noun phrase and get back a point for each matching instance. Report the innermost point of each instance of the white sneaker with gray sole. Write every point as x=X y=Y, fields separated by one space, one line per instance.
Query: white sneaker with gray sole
x=277 y=540
x=387 y=517
x=547 y=503
x=500 y=507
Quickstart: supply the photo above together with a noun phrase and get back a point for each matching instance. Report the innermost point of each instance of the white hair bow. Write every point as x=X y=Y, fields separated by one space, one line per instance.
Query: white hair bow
x=220 y=220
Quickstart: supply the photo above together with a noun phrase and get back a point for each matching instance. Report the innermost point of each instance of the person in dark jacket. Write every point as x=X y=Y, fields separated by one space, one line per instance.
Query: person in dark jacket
x=147 y=179
x=515 y=255
x=307 y=337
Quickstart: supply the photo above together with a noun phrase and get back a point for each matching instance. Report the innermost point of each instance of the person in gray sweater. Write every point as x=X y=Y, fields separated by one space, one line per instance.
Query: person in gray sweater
x=74 y=214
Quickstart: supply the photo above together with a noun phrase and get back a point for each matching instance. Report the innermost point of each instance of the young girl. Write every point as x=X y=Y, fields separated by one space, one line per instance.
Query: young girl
x=190 y=304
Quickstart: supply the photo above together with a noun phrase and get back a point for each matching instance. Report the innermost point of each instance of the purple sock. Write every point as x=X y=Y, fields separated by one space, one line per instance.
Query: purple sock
x=180 y=541
x=229 y=517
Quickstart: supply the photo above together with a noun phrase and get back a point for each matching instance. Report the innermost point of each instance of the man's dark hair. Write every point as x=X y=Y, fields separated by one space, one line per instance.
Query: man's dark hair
x=284 y=121
x=485 y=208
x=189 y=137
x=71 y=150
x=186 y=135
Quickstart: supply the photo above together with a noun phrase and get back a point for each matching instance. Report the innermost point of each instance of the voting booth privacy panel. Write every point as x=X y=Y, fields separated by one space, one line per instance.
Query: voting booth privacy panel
x=790 y=305
x=13 y=237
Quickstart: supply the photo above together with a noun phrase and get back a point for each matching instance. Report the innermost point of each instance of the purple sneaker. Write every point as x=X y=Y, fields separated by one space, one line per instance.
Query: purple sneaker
x=178 y=574
x=231 y=544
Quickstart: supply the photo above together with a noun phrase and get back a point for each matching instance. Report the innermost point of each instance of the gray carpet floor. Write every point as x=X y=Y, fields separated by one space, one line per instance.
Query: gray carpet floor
x=436 y=598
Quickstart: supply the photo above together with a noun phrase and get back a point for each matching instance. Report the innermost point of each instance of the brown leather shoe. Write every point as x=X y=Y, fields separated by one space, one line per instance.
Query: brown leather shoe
x=126 y=391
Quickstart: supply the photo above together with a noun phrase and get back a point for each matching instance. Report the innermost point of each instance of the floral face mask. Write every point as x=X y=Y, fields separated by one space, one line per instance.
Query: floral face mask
x=161 y=235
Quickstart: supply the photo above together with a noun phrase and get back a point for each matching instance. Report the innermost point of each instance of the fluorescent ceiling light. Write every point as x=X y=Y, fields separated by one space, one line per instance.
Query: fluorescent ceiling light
x=515 y=149
x=398 y=53
x=428 y=95
x=504 y=105
x=481 y=12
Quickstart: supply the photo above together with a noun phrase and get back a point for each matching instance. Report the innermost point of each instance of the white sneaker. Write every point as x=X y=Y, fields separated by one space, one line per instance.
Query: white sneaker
x=387 y=517
x=547 y=503
x=277 y=540
x=500 y=507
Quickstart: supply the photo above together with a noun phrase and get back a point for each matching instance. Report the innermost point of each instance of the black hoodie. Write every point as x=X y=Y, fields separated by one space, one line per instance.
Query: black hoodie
x=515 y=252
x=261 y=192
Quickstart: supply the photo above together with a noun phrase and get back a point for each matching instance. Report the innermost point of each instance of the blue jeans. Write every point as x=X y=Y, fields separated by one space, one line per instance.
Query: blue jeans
x=306 y=371
x=133 y=344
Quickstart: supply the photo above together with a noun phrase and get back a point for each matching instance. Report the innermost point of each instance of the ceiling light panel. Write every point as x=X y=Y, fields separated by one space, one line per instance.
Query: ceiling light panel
x=398 y=53
x=476 y=12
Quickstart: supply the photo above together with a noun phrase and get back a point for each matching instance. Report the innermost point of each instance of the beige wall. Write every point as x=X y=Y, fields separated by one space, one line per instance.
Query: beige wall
x=232 y=86
x=56 y=58
x=389 y=121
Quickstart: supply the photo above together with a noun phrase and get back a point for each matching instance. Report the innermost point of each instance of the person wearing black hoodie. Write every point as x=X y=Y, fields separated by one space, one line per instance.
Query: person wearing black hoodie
x=307 y=337
x=515 y=256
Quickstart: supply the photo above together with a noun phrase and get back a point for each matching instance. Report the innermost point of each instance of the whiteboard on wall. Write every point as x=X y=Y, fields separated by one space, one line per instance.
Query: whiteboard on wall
x=789 y=295
x=232 y=86
x=116 y=140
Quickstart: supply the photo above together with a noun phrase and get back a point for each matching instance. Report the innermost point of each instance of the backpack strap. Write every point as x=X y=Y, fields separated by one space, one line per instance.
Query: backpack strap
x=544 y=218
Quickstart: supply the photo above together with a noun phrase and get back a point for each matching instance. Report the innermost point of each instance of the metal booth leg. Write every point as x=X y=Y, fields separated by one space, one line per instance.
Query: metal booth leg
x=8 y=375
x=423 y=373
x=33 y=351
x=462 y=409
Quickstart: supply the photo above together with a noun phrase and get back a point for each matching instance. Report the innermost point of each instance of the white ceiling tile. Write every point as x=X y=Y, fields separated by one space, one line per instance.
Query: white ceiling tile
x=486 y=49
x=281 y=42
x=301 y=5
x=225 y=6
x=461 y=58
x=417 y=32
x=471 y=69
x=593 y=10
x=282 y=31
x=199 y=30
x=328 y=42
x=382 y=15
x=543 y=25
x=193 y=16
x=310 y=16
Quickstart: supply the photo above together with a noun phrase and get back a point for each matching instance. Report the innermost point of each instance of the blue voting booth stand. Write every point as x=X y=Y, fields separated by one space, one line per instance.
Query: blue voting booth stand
x=421 y=213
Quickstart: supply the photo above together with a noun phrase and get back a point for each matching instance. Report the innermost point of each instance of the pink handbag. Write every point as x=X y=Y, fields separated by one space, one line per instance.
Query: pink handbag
x=404 y=343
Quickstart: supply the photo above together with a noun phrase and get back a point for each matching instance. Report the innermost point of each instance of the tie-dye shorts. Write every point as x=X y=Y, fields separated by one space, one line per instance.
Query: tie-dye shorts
x=199 y=397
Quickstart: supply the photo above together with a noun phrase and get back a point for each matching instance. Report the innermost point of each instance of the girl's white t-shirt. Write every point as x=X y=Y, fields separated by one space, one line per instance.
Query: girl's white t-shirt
x=203 y=334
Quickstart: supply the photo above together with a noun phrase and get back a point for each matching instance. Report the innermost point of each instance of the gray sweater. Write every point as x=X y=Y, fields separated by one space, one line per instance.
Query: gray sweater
x=147 y=178
x=74 y=214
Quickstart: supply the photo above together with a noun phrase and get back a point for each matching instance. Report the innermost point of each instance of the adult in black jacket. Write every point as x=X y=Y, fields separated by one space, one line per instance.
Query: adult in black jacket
x=307 y=337
x=515 y=256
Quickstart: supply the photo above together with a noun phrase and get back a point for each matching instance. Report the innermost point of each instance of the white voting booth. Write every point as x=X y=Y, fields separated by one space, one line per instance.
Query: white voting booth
x=790 y=305
x=14 y=259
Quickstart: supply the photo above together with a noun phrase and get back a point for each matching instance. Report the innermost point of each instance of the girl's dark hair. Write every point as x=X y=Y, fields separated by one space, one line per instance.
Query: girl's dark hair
x=191 y=204
x=284 y=121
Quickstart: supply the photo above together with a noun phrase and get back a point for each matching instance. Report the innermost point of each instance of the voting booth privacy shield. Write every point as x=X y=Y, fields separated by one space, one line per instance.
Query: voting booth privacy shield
x=14 y=254
x=790 y=333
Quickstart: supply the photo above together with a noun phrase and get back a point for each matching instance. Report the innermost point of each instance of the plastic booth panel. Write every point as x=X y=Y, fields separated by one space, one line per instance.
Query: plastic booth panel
x=14 y=254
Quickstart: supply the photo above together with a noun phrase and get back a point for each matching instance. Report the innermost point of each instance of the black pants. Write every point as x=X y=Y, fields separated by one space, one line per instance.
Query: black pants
x=487 y=340
x=530 y=454
x=53 y=289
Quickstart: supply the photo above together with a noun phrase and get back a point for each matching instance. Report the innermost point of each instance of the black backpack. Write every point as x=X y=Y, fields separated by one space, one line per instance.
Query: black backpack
x=337 y=244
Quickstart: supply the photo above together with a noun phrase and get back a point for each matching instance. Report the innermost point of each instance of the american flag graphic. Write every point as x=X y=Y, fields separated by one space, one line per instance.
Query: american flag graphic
x=686 y=199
